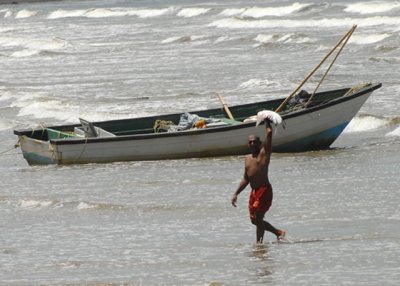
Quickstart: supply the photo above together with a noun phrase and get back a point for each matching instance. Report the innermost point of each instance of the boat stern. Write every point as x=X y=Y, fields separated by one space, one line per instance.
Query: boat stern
x=37 y=152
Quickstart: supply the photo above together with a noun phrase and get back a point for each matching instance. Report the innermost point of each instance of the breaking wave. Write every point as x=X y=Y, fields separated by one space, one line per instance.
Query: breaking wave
x=394 y=133
x=262 y=38
x=25 y=14
x=240 y=23
x=51 y=108
x=4 y=125
x=256 y=83
x=7 y=13
x=232 y=12
x=29 y=53
x=111 y=12
x=44 y=44
x=32 y=46
x=371 y=7
x=192 y=12
x=98 y=206
x=25 y=53
x=259 y=12
x=369 y=122
x=288 y=38
x=368 y=39
x=182 y=39
x=59 y=14
x=43 y=106
x=55 y=204
x=29 y=204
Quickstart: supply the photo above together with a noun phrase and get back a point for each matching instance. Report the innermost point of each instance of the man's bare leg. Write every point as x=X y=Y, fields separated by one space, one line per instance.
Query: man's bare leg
x=262 y=226
x=257 y=220
x=280 y=233
x=260 y=232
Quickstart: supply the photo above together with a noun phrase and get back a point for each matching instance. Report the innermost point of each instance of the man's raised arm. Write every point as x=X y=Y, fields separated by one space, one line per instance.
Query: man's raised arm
x=267 y=143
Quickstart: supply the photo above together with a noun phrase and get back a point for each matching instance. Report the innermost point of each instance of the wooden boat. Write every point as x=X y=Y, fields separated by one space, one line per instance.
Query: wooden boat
x=308 y=128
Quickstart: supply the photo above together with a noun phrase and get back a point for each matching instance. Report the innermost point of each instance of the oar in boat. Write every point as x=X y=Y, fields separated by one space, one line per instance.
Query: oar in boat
x=226 y=108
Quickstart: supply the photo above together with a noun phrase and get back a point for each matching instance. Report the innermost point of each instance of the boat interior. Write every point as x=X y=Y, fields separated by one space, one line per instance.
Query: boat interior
x=163 y=123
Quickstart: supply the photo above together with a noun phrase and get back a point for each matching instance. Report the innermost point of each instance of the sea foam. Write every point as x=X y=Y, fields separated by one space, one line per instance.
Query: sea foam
x=7 y=13
x=103 y=13
x=4 y=125
x=256 y=83
x=34 y=204
x=394 y=133
x=111 y=12
x=66 y=14
x=288 y=38
x=238 y=23
x=368 y=39
x=32 y=46
x=40 y=105
x=25 y=53
x=232 y=12
x=25 y=14
x=258 y=12
x=192 y=12
x=176 y=39
x=366 y=123
x=182 y=39
x=98 y=206
x=85 y=206
x=262 y=38
x=372 y=7
x=37 y=44
x=150 y=13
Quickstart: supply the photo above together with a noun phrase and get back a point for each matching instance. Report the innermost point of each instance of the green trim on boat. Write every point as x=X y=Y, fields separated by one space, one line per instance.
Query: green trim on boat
x=55 y=134
x=230 y=121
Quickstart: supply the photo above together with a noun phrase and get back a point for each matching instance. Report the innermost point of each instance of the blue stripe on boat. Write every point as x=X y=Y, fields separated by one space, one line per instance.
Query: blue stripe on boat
x=317 y=141
x=36 y=159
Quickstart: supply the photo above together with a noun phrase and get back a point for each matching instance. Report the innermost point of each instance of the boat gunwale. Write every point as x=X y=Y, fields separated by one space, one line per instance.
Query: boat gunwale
x=220 y=129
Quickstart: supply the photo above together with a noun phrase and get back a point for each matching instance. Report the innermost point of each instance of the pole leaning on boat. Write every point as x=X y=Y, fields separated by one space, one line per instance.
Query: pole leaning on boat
x=344 y=38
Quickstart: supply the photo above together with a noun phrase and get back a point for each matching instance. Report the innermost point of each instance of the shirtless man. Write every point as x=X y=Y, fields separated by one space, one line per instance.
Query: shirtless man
x=256 y=173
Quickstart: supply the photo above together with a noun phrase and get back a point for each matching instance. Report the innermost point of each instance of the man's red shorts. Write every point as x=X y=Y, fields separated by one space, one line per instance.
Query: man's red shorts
x=260 y=200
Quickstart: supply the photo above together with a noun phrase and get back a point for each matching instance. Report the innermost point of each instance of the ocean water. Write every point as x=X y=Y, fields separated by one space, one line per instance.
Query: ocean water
x=171 y=222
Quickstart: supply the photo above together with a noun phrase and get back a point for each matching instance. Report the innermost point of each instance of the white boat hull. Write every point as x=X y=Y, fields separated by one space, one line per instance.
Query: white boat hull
x=299 y=129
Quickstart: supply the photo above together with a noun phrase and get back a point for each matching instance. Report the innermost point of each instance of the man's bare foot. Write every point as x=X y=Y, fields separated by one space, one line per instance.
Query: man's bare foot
x=281 y=234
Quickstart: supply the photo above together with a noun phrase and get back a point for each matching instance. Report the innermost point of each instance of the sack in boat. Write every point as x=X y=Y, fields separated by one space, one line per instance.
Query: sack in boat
x=186 y=122
x=299 y=100
x=201 y=123
x=162 y=125
x=189 y=121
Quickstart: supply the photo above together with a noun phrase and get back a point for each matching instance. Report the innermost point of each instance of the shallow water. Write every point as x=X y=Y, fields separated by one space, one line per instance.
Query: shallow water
x=171 y=222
